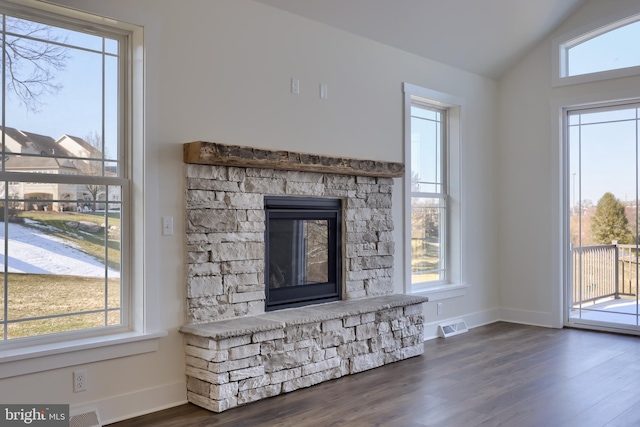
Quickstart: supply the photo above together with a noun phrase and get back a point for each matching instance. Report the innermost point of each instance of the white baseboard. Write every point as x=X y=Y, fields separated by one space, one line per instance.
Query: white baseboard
x=481 y=318
x=142 y=402
x=137 y=403
x=473 y=320
x=526 y=317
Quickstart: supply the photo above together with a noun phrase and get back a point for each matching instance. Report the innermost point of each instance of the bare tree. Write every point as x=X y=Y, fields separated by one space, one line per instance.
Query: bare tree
x=12 y=207
x=93 y=168
x=95 y=140
x=31 y=60
x=415 y=181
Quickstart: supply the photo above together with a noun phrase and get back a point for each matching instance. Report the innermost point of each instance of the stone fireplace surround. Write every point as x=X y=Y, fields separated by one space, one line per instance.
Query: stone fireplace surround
x=235 y=352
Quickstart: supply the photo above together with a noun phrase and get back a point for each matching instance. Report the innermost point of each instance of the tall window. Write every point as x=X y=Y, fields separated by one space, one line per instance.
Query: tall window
x=603 y=143
x=428 y=193
x=64 y=183
x=434 y=225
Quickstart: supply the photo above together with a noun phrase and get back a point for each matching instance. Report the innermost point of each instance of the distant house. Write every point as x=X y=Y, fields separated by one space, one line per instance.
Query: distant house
x=78 y=147
x=34 y=153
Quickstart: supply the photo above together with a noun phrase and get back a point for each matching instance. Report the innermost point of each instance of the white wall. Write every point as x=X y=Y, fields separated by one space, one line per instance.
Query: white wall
x=529 y=177
x=220 y=71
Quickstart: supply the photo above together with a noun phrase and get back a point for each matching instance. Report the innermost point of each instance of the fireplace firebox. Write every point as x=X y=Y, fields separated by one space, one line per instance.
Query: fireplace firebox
x=302 y=251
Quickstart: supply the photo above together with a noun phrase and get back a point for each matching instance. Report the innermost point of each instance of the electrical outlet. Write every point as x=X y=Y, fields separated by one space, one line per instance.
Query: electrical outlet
x=79 y=381
x=439 y=308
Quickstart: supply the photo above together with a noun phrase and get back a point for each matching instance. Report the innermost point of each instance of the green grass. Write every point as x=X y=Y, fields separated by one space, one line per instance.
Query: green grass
x=424 y=259
x=37 y=295
x=92 y=244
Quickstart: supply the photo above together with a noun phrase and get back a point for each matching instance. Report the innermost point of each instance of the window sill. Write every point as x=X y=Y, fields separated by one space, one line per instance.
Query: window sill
x=38 y=358
x=441 y=292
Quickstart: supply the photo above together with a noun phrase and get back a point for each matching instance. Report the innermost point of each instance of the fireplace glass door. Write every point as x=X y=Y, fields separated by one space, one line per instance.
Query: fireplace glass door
x=302 y=258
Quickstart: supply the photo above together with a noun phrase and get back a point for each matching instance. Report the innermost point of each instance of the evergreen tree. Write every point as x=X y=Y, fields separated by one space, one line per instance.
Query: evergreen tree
x=610 y=222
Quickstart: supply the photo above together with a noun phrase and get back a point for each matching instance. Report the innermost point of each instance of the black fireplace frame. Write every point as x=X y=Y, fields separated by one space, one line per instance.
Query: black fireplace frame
x=292 y=207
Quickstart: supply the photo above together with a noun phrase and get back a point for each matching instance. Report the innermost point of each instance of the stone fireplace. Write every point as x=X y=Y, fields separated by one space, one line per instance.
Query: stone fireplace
x=238 y=350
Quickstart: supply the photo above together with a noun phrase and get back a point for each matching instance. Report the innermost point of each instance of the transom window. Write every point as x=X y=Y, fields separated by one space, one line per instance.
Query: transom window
x=602 y=50
x=611 y=50
x=64 y=187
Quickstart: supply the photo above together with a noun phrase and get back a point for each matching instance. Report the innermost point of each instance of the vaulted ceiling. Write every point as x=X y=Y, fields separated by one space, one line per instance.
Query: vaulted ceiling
x=484 y=37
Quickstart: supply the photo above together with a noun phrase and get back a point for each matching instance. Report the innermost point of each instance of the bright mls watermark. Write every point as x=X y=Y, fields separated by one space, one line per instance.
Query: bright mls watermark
x=34 y=415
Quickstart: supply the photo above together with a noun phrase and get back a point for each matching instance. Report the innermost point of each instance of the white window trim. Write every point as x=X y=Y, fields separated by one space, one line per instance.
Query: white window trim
x=562 y=43
x=558 y=255
x=44 y=357
x=144 y=312
x=456 y=285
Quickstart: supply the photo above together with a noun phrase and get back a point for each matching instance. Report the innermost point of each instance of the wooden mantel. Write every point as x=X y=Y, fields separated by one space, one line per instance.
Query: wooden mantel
x=213 y=153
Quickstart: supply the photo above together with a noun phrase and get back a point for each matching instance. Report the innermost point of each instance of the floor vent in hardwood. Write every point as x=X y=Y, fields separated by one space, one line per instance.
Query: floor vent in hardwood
x=450 y=329
x=86 y=419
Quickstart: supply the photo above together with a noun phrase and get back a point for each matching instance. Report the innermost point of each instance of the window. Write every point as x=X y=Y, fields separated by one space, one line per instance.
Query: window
x=433 y=192
x=608 y=51
x=63 y=243
x=604 y=50
x=70 y=135
x=602 y=144
x=428 y=193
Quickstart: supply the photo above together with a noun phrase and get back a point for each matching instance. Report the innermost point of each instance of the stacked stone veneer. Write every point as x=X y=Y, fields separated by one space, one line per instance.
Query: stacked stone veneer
x=234 y=362
x=237 y=353
x=225 y=223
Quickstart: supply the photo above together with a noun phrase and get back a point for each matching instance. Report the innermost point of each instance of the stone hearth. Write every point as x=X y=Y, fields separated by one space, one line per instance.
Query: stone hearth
x=237 y=361
x=237 y=353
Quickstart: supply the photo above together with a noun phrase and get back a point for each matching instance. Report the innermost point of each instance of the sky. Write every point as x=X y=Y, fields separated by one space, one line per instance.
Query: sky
x=603 y=155
x=604 y=142
x=612 y=50
x=425 y=149
x=77 y=109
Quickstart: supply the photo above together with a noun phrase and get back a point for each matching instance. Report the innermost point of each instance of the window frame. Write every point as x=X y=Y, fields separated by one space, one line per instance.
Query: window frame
x=121 y=181
x=613 y=101
x=455 y=283
x=143 y=331
x=561 y=44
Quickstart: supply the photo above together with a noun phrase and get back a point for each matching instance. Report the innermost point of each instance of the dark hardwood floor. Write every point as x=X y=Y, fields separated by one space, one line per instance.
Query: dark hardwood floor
x=497 y=375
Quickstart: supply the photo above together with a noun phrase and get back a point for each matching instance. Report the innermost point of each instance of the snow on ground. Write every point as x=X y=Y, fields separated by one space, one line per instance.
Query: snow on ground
x=34 y=251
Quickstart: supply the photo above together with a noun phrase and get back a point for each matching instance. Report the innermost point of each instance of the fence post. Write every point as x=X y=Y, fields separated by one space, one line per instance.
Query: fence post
x=573 y=275
x=623 y=278
x=617 y=279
